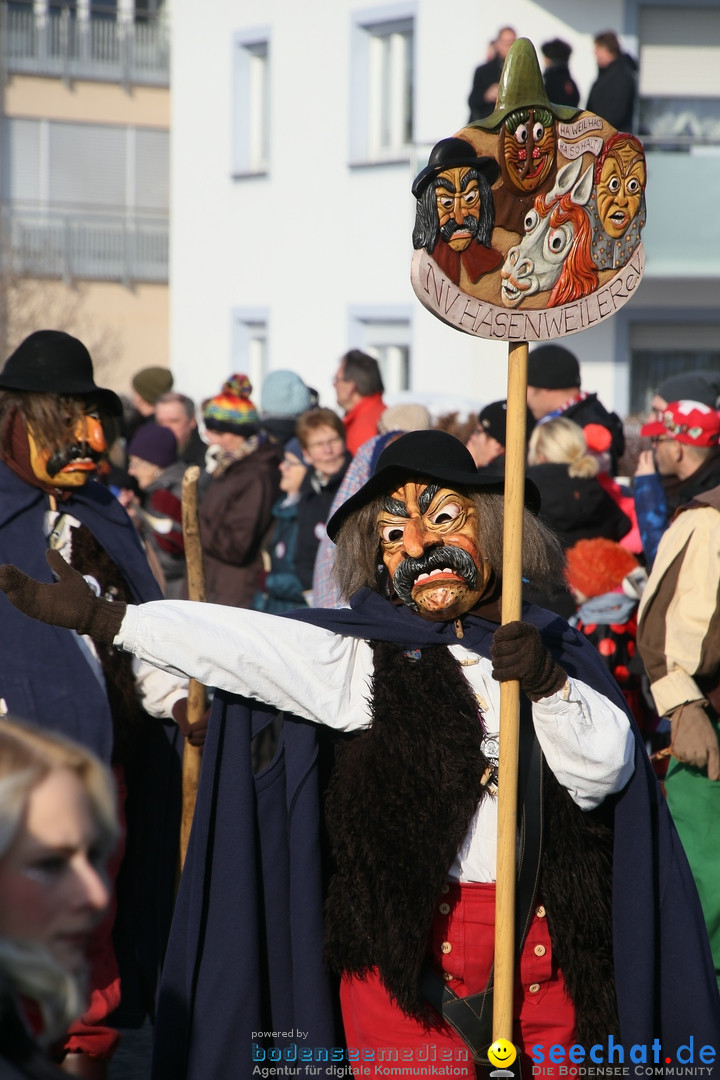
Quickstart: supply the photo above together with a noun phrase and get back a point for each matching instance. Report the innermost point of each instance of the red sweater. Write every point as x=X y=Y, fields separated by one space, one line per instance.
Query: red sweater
x=361 y=421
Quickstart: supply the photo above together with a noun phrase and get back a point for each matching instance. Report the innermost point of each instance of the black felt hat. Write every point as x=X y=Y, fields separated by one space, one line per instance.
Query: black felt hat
x=431 y=455
x=557 y=50
x=553 y=367
x=454 y=153
x=493 y=420
x=53 y=362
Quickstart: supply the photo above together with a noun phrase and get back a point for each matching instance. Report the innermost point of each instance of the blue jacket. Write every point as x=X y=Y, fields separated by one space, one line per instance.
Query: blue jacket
x=244 y=959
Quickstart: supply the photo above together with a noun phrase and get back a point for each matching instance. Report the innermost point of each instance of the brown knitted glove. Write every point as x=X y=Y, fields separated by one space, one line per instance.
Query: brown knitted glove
x=70 y=603
x=518 y=653
x=693 y=740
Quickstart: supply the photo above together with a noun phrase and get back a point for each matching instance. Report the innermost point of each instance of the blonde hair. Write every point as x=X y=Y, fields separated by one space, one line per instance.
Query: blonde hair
x=27 y=756
x=561 y=442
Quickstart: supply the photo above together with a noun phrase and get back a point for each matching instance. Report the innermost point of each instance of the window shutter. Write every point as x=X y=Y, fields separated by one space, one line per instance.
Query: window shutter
x=20 y=160
x=152 y=170
x=87 y=165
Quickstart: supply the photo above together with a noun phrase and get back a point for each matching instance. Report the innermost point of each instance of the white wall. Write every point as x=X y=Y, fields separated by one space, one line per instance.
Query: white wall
x=315 y=237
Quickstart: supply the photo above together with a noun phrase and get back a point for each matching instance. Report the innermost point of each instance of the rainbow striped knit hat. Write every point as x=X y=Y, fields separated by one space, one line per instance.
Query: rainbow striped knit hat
x=231 y=409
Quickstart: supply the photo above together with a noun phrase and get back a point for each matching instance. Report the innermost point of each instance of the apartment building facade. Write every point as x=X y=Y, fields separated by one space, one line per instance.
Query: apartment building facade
x=84 y=178
x=297 y=132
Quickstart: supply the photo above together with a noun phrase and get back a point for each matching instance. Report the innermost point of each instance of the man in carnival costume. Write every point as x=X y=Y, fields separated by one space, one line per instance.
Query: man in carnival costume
x=52 y=445
x=406 y=679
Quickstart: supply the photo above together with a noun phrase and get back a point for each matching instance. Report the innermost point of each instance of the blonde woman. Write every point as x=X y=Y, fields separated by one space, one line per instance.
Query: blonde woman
x=58 y=826
x=574 y=503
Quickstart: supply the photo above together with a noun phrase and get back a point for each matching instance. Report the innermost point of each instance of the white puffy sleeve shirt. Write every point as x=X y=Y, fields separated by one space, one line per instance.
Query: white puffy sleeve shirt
x=326 y=678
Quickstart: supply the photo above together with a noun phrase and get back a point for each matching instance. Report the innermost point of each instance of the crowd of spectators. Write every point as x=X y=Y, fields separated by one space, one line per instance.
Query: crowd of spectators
x=612 y=96
x=272 y=474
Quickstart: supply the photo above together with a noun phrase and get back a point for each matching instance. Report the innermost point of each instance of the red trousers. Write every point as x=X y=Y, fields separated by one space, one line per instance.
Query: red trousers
x=462 y=949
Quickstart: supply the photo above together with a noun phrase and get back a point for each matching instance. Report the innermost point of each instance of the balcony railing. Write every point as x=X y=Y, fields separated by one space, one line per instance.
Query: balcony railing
x=63 y=44
x=690 y=125
x=75 y=244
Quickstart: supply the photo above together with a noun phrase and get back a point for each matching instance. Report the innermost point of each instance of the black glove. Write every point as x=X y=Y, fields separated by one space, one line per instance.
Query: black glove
x=518 y=653
x=693 y=740
x=70 y=603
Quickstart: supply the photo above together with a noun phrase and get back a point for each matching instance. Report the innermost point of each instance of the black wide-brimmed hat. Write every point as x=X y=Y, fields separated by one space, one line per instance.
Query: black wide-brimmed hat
x=427 y=455
x=454 y=153
x=53 y=362
x=557 y=50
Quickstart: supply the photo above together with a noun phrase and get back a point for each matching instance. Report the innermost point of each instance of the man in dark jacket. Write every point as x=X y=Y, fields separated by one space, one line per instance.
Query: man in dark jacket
x=487 y=76
x=411 y=672
x=612 y=95
x=554 y=390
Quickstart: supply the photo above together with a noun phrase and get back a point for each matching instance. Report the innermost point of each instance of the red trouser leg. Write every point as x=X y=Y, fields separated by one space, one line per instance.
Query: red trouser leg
x=462 y=944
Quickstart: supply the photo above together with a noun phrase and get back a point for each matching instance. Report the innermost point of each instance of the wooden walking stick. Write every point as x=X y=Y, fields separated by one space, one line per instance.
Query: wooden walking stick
x=510 y=697
x=192 y=755
x=518 y=238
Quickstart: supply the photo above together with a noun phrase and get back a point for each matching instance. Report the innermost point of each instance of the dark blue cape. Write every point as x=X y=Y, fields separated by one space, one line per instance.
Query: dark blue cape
x=45 y=678
x=244 y=958
x=43 y=674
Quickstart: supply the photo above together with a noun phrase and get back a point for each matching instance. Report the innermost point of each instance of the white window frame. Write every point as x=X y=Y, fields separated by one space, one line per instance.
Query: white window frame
x=251 y=345
x=386 y=333
x=251 y=77
x=382 y=90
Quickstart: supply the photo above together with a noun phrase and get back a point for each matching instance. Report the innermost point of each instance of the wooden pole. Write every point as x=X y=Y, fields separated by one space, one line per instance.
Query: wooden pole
x=196 y=691
x=515 y=451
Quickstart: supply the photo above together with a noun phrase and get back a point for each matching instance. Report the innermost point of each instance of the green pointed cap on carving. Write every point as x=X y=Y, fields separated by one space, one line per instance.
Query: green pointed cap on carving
x=521 y=86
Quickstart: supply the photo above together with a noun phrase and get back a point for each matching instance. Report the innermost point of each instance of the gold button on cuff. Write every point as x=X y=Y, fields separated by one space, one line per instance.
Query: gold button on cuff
x=444 y=909
x=447 y=976
x=540 y=950
x=534 y=987
x=540 y=911
x=446 y=947
x=445 y=888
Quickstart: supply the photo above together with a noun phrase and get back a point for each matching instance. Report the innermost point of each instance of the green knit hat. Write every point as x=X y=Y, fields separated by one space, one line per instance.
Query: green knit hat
x=521 y=86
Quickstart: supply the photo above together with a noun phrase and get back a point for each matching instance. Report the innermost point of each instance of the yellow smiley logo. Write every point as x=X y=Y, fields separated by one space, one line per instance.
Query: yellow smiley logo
x=502 y=1053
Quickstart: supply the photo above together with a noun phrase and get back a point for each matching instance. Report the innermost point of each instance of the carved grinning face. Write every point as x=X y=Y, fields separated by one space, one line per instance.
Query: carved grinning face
x=620 y=189
x=527 y=152
x=429 y=542
x=72 y=462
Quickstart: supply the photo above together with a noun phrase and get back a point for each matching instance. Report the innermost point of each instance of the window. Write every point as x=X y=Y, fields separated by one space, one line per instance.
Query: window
x=147 y=11
x=386 y=336
x=86 y=200
x=660 y=350
x=122 y=167
x=679 y=61
x=382 y=90
x=250 y=346
x=251 y=104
